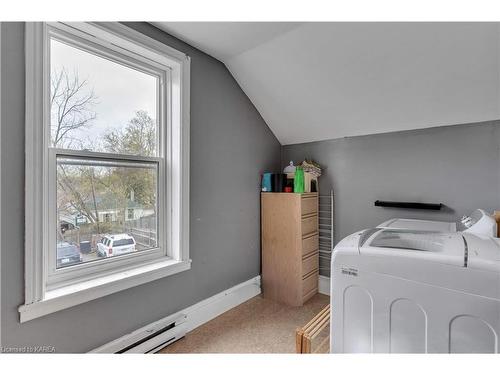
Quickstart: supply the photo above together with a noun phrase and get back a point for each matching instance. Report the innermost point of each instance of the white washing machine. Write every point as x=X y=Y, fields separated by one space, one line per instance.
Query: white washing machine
x=397 y=290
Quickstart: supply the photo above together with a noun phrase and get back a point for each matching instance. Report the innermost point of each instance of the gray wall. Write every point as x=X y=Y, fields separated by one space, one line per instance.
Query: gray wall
x=230 y=146
x=456 y=165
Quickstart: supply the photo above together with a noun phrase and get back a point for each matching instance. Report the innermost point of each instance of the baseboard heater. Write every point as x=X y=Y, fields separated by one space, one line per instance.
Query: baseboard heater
x=413 y=205
x=156 y=341
x=153 y=338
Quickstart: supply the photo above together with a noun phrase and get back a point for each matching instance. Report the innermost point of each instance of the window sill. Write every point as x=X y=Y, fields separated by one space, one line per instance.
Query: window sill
x=76 y=294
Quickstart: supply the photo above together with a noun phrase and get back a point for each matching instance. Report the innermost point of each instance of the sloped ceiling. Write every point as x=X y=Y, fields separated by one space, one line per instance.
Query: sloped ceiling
x=316 y=81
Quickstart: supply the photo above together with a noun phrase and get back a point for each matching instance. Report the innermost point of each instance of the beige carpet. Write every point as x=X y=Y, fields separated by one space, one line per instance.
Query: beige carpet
x=256 y=326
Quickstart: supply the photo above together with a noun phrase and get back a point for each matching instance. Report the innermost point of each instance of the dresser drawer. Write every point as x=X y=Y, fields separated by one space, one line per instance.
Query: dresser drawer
x=310 y=244
x=309 y=205
x=310 y=283
x=309 y=225
x=310 y=263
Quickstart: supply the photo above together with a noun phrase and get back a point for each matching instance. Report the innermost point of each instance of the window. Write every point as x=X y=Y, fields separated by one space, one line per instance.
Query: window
x=107 y=138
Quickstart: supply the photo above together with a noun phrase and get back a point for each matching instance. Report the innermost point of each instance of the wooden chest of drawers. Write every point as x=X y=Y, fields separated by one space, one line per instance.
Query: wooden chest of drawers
x=290 y=258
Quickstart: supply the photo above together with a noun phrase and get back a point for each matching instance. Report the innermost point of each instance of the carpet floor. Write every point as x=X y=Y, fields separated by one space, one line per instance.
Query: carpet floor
x=256 y=326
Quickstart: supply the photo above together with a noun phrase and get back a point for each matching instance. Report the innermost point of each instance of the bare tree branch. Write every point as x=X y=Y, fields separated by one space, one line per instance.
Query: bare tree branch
x=71 y=104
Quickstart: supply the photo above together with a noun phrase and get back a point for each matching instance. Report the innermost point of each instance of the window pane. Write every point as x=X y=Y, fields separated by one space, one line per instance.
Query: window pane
x=101 y=105
x=94 y=201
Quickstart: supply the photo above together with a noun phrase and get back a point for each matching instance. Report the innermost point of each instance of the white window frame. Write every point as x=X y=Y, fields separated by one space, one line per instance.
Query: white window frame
x=48 y=289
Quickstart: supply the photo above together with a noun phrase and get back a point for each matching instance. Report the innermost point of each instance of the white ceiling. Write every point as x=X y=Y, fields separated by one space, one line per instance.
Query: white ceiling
x=224 y=40
x=315 y=81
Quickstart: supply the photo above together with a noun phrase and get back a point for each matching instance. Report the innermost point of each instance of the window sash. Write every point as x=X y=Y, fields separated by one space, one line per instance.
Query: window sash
x=58 y=277
x=129 y=60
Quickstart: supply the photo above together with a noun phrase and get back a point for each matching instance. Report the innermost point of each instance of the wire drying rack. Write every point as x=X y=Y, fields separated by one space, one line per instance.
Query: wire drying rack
x=326 y=230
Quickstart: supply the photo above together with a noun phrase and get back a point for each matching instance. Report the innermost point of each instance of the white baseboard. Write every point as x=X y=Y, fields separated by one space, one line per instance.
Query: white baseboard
x=192 y=316
x=212 y=307
x=324 y=285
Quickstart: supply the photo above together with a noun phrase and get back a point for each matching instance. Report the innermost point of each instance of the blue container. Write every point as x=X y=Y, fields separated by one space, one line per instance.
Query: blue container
x=266 y=182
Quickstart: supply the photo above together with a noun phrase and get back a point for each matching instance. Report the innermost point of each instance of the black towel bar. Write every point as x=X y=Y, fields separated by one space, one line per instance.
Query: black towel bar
x=415 y=205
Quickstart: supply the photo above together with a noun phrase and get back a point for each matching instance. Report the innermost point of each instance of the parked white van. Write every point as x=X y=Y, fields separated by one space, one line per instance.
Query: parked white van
x=116 y=244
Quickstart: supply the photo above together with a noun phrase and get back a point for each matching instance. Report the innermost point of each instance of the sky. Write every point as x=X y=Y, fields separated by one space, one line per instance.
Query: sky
x=120 y=90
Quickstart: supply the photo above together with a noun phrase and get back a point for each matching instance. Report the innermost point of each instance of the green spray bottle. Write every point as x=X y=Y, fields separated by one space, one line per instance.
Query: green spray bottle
x=298 y=183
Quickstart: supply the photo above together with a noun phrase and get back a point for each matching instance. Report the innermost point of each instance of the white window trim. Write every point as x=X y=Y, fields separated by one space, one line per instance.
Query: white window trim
x=39 y=300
